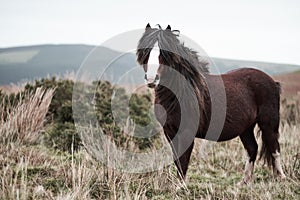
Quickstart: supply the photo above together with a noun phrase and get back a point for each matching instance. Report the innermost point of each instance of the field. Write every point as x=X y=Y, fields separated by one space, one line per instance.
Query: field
x=29 y=169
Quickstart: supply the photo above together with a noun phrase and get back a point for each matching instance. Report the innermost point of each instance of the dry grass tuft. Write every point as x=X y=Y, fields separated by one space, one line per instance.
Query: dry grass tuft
x=23 y=122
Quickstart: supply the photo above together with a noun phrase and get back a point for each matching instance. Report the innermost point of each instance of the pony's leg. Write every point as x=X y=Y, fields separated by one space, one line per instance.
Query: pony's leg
x=277 y=169
x=269 y=125
x=183 y=161
x=251 y=147
x=270 y=140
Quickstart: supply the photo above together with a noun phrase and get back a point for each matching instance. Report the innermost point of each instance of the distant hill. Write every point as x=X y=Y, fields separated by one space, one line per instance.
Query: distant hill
x=26 y=63
x=30 y=62
x=225 y=65
x=290 y=84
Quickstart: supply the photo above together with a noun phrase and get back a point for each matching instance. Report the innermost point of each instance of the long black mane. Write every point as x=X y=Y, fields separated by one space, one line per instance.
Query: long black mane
x=174 y=55
x=173 y=52
x=191 y=68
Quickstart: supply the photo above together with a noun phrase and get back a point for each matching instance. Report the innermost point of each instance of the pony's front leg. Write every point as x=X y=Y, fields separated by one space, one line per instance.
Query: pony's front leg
x=182 y=161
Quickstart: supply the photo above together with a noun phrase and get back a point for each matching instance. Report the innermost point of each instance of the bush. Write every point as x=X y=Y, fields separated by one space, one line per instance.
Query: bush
x=62 y=136
x=61 y=132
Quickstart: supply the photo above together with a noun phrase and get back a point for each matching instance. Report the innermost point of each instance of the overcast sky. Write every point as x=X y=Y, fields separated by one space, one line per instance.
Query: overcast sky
x=253 y=30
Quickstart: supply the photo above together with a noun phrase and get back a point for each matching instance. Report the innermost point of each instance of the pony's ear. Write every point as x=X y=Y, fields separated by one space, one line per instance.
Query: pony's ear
x=148 y=26
x=168 y=27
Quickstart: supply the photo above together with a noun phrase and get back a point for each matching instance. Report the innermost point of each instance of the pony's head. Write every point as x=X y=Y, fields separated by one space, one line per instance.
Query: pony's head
x=154 y=51
x=159 y=49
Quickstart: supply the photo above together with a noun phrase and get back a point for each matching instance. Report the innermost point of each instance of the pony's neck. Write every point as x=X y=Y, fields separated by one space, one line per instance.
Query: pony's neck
x=175 y=90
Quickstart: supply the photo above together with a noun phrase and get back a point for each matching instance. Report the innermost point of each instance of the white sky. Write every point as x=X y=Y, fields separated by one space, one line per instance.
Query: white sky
x=263 y=30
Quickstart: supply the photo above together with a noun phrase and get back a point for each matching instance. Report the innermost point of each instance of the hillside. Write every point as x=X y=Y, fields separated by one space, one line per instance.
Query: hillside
x=225 y=65
x=290 y=84
x=29 y=62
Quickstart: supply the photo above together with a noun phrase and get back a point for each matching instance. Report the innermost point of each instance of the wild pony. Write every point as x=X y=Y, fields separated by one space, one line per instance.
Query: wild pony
x=187 y=98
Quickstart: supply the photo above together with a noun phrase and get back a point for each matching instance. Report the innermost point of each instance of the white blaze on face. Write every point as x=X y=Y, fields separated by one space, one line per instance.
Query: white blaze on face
x=153 y=64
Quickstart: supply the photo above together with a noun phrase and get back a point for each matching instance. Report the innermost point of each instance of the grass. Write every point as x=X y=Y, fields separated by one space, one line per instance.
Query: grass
x=29 y=170
x=23 y=122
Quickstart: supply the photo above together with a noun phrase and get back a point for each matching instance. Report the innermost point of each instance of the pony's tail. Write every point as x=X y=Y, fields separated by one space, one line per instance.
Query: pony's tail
x=278 y=85
x=265 y=152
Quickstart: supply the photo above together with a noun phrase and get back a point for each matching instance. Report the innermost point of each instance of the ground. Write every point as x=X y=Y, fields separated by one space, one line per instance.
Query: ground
x=30 y=170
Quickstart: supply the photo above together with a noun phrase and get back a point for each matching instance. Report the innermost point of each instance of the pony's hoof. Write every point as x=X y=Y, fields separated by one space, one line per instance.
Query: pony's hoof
x=281 y=177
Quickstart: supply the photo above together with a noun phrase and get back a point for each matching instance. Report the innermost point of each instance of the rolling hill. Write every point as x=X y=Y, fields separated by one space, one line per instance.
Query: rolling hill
x=26 y=63
x=19 y=64
x=290 y=84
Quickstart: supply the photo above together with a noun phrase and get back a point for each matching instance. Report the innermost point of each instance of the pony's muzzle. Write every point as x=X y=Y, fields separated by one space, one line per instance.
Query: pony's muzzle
x=151 y=85
x=151 y=82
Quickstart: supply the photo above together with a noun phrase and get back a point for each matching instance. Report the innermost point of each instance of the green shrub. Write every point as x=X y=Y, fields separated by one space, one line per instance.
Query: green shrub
x=61 y=132
x=62 y=136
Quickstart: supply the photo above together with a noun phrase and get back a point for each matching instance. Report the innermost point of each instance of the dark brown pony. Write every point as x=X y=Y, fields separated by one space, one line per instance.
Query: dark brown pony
x=195 y=104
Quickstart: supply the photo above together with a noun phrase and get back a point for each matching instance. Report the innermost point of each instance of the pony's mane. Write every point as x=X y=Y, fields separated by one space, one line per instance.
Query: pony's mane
x=172 y=51
x=175 y=55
